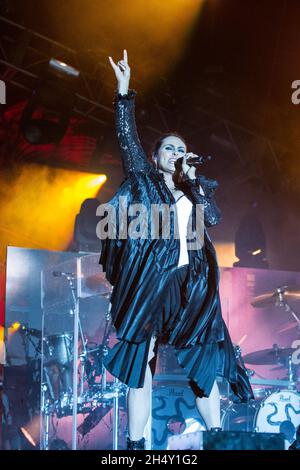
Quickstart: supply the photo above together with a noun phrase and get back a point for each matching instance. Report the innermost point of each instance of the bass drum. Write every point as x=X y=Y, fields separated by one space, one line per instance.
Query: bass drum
x=280 y=412
x=241 y=416
x=174 y=412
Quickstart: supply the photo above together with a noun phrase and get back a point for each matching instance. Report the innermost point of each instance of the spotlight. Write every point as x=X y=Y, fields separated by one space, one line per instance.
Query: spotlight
x=28 y=436
x=16 y=325
x=52 y=102
x=31 y=431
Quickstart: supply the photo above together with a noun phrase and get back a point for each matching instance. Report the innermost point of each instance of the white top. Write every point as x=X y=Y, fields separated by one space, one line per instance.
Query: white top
x=184 y=208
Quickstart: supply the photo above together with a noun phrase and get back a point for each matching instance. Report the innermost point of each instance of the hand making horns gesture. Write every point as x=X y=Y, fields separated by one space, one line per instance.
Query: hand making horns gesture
x=121 y=69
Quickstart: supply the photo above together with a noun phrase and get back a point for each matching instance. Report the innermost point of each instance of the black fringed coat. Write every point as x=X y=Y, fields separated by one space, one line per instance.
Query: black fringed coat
x=138 y=269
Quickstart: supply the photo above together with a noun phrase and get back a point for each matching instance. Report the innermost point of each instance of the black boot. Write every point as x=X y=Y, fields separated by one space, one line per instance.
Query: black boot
x=136 y=445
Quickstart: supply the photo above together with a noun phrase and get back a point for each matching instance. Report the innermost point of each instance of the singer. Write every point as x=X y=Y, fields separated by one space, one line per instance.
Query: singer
x=164 y=292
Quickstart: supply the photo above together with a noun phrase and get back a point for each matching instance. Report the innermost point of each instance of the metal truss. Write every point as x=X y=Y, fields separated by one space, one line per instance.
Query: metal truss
x=24 y=53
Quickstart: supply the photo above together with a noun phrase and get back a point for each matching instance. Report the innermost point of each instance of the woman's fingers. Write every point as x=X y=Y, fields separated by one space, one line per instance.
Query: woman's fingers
x=112 y=63
x=122 y=69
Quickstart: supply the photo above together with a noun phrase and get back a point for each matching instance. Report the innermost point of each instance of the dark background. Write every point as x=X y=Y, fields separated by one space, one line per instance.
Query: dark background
x=229 y=93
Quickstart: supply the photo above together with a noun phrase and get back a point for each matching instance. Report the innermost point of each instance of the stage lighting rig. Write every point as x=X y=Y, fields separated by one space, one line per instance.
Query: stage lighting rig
x=45 y=118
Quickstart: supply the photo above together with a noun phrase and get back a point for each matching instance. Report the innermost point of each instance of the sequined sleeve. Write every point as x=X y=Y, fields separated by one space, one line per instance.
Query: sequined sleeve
x=133 y=156
x=212 y=214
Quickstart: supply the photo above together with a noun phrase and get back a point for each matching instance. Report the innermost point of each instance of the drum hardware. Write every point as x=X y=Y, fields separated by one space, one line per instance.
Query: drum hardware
x=62 y=361
x=241 y=359
x=111 y=391
x=272 y=410
x=93 y=282
x=279 y=297
x=275 y=355
x=30 y=332
x=92 y=398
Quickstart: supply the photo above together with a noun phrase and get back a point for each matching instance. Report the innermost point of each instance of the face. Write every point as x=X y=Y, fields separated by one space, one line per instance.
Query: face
x=171 y=149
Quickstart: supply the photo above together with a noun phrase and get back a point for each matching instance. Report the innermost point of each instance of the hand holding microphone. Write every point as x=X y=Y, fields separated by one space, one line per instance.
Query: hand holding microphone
x=188 y=169
x=193 y=159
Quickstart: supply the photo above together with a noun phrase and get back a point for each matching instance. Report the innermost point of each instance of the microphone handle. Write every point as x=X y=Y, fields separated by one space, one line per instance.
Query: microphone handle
x=197 y=160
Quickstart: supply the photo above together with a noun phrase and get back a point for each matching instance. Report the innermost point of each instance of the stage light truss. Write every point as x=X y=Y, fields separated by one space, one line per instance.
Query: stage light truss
x=23 y=52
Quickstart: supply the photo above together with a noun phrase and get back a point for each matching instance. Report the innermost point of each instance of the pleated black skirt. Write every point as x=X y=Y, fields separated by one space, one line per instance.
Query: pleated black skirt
x=201 y=362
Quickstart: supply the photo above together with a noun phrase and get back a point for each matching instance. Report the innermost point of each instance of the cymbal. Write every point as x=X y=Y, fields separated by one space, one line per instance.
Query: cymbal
x=268 y=356
x=97 y=280
x=276 y=297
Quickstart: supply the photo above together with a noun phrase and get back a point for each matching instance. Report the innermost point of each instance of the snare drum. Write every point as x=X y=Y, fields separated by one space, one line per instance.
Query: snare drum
x=279 y=412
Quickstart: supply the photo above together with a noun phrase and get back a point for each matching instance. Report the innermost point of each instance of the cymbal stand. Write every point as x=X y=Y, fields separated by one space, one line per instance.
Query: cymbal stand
x=292 y=383
x=117 y=386
x=283 y=303
x=238 y=355
x=105 y=342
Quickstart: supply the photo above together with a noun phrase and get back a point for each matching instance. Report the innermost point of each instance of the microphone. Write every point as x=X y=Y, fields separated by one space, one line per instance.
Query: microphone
x=199 y=160
x=61 y=273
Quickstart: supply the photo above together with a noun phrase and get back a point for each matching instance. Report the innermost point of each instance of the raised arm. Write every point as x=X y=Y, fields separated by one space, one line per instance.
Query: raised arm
x=133 y=156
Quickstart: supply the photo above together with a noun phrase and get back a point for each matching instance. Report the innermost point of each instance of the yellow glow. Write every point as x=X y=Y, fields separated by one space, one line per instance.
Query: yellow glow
x=11 y=330
x=96 y=182
x=155 y=33
x=32 y=431
x=39 y=206
x=256 y=252
x=226 y=254
x=2 y=346
x=28 y=436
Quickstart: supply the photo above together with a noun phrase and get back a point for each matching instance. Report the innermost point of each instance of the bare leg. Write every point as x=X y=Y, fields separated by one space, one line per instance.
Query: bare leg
x=138 y=402
x=209 y=408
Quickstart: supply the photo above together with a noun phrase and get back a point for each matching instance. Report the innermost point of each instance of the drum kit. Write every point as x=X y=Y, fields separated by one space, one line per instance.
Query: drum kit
x=276 y=407
x=77 y=387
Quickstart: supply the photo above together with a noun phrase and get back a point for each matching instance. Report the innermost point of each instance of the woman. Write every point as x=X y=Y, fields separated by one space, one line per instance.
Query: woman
x=165 y=289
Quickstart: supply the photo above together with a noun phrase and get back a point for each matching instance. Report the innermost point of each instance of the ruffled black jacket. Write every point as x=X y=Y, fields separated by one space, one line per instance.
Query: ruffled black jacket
x=137 y=268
